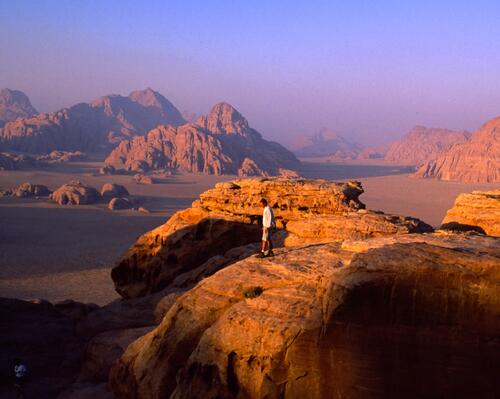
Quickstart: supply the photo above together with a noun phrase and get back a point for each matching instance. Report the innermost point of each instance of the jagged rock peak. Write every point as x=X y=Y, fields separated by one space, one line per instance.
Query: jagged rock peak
x=149 y=98
x=224 y=118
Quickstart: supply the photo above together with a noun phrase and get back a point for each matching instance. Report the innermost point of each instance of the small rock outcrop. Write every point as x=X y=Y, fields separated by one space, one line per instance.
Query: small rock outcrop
x=75 y=193
x=62 y=156
x=220 y=143
x=119 y=203
x=474 y=161
x=11 y=161
x=140 y=178
x=111 y=190
x=228 y=216
x=31 y=190
x=423 y=144
x=479 y=210
x=358 y=319
x=14 y=104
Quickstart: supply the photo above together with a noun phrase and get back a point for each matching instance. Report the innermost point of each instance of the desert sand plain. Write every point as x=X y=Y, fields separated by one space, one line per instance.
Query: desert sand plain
x=58 y=252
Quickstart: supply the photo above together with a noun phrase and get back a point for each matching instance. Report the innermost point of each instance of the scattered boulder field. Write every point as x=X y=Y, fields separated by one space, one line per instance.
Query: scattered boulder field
x=75 y=192
x=14 y=161
x=355 y=303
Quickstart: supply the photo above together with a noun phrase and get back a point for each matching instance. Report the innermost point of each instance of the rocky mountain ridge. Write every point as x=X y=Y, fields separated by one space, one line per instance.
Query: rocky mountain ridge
x=221 y=142
x=94 y=126
x=474 y=161
x=422 y=144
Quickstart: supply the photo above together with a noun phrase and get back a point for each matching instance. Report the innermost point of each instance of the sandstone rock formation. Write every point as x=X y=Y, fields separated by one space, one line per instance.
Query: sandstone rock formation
x=118 y=203
x=14 y=104
x=75 y=193
x=140 y=178
x=479 y=209
x=220 y=143
x=10 y=161
x=110 y=190
x=228 y=216
x=423 y=144
x=475 y=161
x=90 y=127
x=372 y=318
x=14 y=161
x=325 y=142
x=30 y=190
x=62 y=156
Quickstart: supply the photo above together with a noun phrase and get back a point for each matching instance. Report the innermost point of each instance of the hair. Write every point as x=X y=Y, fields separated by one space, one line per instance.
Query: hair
x=263 y=201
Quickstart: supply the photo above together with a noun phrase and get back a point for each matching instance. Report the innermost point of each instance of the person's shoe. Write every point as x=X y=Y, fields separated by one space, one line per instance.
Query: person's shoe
x=260 y=255
x=271 y=253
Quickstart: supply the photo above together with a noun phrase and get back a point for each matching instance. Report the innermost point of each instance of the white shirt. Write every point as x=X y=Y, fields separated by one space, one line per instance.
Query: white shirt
x=267 y=217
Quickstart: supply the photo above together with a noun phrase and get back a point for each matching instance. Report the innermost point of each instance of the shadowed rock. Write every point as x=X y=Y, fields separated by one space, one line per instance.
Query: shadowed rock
x=110 y=190
x=75 y=193
x=31 y=190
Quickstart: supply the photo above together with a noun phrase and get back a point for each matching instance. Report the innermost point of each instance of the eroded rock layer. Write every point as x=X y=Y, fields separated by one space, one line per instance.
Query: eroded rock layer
x=228 y=216
x=402 y=316
x=479 y=209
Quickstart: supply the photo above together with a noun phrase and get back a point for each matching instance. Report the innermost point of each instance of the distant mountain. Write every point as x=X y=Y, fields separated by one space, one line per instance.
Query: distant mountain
x=474 y=161
x=375 y=152
x=93 y=126
x=14 y=104
x=221 y=142
x=325 y=143
x=190 y=116
x=423 y=144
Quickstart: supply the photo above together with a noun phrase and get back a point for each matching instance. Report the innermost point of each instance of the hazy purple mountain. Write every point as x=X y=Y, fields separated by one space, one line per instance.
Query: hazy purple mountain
x=94 y=126
x=325 y=143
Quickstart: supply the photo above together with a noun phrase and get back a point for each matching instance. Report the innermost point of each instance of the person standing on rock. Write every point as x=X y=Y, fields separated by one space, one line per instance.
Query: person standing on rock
x=268 y=224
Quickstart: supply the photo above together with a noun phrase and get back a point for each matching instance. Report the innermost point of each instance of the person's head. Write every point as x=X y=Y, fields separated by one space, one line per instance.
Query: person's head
x=263 y=202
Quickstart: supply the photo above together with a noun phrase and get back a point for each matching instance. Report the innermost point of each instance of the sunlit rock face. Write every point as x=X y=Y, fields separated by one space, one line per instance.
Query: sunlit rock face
x=423 y=144
x=94 y=126
x=479 y=210
x=411 y=315
x=474 y=161
x=221 y=142
x=228 y=216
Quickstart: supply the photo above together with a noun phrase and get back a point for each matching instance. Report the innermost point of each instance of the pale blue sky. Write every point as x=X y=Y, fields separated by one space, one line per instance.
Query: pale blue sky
x=368 y=69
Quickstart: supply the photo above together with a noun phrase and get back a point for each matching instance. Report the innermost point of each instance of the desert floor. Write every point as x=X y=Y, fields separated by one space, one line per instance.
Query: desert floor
x=59 y=252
